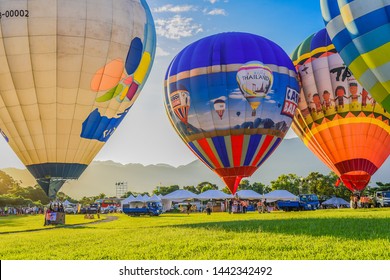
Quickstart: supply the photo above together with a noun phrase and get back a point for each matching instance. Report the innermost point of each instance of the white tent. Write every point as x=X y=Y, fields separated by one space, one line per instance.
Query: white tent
x=280 y=195
x=67 y=202
x=336 y=202
x=139 y=198
x=146 y=197
x=213 y=194
x=248 y=194
x=127 y=200
x=154 y=198
x=177 y=196
x=138 y=201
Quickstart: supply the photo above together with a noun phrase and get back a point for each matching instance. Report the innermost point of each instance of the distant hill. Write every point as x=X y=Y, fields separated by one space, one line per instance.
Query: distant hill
x=291 y=156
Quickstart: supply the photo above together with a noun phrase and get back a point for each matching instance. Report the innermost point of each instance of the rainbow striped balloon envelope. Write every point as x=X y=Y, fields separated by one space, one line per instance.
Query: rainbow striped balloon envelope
x=231 y=98
x=337 y=118
x=359 y=29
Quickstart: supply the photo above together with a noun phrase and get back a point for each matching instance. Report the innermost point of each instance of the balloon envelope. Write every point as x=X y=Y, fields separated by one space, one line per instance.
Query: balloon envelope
x=359 y=30
x=70 y=72
x=218 y=72
x=337 y=118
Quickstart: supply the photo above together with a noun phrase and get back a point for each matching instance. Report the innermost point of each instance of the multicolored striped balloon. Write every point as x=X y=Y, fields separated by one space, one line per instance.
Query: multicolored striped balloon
x=242 y=95
x=337 y=118
x=359 y=29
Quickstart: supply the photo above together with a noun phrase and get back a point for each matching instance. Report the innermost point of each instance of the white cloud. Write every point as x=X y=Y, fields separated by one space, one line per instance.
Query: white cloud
x=217 y=12
x=236 y=94
x=215 y=1
x=177 y=27
x=174 y=9
x=161 y=52
x=224 y=98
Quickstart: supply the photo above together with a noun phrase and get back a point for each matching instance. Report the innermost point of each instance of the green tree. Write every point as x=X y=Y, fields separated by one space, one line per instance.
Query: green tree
x=317 y=183
x=290 y=182
x=260 y=188
x=165 y=190
x=36 y=193
x=6 y=183
x=205 y=186
x=244 y=185
x=191 y=189
x=383 y=186
x=127 y=194
x=87 y=200
x=226 y=190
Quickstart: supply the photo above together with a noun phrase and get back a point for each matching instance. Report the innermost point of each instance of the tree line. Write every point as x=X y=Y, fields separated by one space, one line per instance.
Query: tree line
x=13 y=194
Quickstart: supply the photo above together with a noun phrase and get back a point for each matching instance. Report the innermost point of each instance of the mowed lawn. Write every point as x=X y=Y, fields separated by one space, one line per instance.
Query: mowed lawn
x=319 y=235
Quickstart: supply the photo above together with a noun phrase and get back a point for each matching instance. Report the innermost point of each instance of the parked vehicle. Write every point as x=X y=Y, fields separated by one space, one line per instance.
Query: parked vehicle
x=109 y=209
x=382 y=199
x=89 y=209
x=305 y=202
x=148 y=208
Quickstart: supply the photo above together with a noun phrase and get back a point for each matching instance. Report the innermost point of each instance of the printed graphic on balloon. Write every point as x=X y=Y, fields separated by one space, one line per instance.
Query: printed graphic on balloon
x=337 y=119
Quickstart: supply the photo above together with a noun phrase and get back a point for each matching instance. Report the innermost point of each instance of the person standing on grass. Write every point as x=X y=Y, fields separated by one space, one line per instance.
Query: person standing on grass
x=259 y=206
x=98 y=211
x=264 y=206
x=230 y=206
x=208 y=209
x=189 y=208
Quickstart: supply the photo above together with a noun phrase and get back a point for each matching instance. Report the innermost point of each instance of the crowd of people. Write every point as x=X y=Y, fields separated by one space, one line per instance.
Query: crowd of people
x=10 y=210
x=234 y=205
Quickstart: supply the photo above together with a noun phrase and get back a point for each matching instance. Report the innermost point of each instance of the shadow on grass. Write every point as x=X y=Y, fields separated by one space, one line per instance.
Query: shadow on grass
x=349 y=228
x=78 y=226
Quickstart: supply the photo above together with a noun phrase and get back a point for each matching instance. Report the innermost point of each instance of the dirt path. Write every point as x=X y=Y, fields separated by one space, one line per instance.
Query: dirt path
x=106 y=220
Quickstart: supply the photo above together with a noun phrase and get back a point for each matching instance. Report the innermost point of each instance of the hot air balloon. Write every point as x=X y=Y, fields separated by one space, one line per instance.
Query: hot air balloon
x=216 y=68
x=337 y=118
x=220 y=106
x=180 y=100
x=255 y=80
x=70 y=72
x=359 y=31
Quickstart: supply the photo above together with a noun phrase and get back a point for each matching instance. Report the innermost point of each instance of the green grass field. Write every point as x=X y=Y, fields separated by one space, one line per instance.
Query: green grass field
x=319 y=235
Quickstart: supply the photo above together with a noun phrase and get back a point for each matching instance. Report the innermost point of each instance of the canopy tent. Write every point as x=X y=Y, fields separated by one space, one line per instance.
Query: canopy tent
x=127 y=200
x=280 y=195
x=214 y=194
x=67 y=203
x=139 y=198
x=248 y=194
x=176 y=196
x=138 y=201
x=336 y=201
x=179 y=195
x=154 y=198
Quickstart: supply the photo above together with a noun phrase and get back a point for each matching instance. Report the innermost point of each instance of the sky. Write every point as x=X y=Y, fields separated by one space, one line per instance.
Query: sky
x=145 y=136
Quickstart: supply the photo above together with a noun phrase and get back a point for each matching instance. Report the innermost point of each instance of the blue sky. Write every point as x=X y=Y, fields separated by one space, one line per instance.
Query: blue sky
x=145 y=136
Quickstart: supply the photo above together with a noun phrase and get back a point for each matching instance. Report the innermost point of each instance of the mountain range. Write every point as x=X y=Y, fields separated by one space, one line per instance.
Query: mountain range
x=291 y=156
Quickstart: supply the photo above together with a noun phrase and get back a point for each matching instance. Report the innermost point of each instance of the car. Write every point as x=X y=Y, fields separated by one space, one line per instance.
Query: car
x=93 y=208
